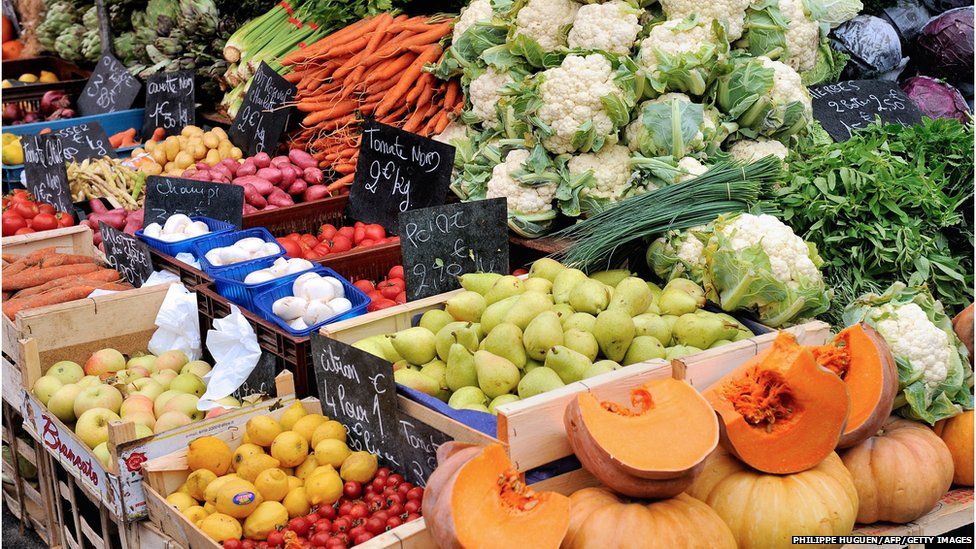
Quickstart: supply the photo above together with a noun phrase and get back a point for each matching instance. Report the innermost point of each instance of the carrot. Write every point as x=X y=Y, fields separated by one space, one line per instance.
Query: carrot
x=102 y=275
x=294 y=77
x=158 y=134
x=414 y=121
x=431 y=36
x=395 y=67
x=340 y=183
x=23 y=280
x=58 y=295
x=408 y=78
x=28 y=260
x=452 y=93
x=10 y=258
x=442 y=123
x=426 y=80
x=341 y=36
x=63 y=259
x=385 y=20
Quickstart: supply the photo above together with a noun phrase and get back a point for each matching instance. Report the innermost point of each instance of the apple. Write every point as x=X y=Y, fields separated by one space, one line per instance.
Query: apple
x=197 y=367
x=161 y=401
x=125 y=376
x=136 y=403
x=92 y=426
x=171 y=360
x=188 y=383
x=143 y=372
x=45 y=387
x=89 y=381
x=142 y=431
x=101 y=452
x=105 y=363
x=171 y=420
x=216 y=411
x=185 y=403
x=146 y=362
x=66 y=372
x=141 y=418
x=164 y=377
x=62 y=402
x=150 y=388
x=102 y=396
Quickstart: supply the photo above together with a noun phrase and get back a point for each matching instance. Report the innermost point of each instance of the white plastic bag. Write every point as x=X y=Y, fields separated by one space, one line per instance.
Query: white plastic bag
x=188 y=258
x=235 y=350
x=179 y=325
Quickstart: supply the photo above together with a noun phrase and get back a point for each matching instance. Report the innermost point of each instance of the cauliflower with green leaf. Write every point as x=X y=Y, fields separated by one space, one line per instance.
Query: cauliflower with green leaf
x=528 y=180
x=484 y=93
x=605 y=177
x=476 y=11
x=764 y=97
x=674 y=125
x=612 y=27
x=546 y=21
x=681 y=54
x=731 y=13
x=751 y=150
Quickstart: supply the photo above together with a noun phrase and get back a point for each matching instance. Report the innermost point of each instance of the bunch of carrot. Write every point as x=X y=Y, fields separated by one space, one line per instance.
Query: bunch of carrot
x=45 y=277
x=372 y=68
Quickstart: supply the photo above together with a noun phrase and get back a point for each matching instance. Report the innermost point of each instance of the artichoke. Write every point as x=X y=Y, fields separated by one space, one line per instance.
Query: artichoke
x=90 y=18
x=58 y=18
x=198 y=17
x=91 y=45
x=68 y=43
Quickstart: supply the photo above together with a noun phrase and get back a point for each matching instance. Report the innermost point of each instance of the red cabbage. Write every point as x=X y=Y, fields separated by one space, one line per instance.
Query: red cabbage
x=947 y=43
x=938 y=6
x=936 y=99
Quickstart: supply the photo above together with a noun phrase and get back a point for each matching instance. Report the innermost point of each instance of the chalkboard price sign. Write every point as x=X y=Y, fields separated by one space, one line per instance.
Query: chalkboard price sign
x=166 y=196
x=261 y=379
x=263 y=116
x=83 y=141
x=398 y=171
x=848 y=106
x=441 y=243
x=44 y=172
x=126 y=254
x=110 y=88
x=418 y=449
x=357 y=390
x=170 y=103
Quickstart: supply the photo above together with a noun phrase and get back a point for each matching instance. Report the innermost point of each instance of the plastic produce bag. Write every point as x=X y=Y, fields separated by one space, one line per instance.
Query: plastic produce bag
x=179 y=325
x=188 y=259
x=907 y=17
x=235 y=350
x=874 y=47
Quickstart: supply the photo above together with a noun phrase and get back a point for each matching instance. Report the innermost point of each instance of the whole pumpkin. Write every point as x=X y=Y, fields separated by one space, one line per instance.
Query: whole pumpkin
x=957 y=433
x=900 y=473
x=765 y=511
x=598 y=518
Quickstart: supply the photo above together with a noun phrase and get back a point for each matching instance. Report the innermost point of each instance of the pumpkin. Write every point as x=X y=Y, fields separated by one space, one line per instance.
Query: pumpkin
x=957 y=433
x=780 y=411
x=861 y=357
x=963 y=325
x=475 y=499
x=765 y=511
x=598 y=518
x=616 y=444
x=900 y=473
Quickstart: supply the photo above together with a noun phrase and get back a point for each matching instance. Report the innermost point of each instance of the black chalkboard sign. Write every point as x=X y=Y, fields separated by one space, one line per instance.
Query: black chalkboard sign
x=110 y=88
x=170 y=103
x=166 y=196
x=126 y=254
x=83 y=141
x=357 y=390
x=398 y=171
x=848 y=106
x=44 y=173
x=261 y=380
x=418 y=449
x=263 y=115
x=441 y=243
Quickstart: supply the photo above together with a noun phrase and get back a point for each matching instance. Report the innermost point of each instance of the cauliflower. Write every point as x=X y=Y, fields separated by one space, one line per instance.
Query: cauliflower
x=787 y=87
x=484 y=93
x=452 y=132
x=475 y=12
x=608 y=173
x=679 y=254
x=748 y=150
x=611 y=27
x=674 y=125
x=732 y=13
x=764 y=97
x=681 y=54
x=545 y=21
x=522 y=199
x=802 y=36
x=788 y=254
x=908 y=331
x=690 y=168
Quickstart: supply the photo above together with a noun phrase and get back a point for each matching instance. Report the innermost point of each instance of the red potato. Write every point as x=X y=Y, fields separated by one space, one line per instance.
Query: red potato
x=298 y=187
x=269 y=207
x=247 y=168
x=260 y=184
x=302 y=159
x=231 y=164
x=249 y=209
x=289 y=173
x=279 y=160
x=313 y=176
x=97 y=206
x=315 y=192
x=223 y=171
x=253 y=197
x=261 y=160
x=280 y=198
x=271 y=174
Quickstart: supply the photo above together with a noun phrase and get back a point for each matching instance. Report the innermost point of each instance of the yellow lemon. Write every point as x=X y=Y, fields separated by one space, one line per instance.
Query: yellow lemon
x=306 y=425
x=359 y=466
x=296 y=503
x=328 y=429
x=209 y=453
x=323 y=489
x=243 y=452
x=252 y=466
x=238 y=498
x=272 y=483
x=181 y=501
x=197 y=482
x=294 y=412
x=195 y=513
x=220 y=527
x=290 y=448
x=262 y=430
x=268 y=517
x=331 y=452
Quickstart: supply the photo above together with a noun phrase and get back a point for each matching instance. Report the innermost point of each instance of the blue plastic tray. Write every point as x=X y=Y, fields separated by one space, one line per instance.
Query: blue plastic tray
x=230 y=281
x=200 y=249
x=217 y=227
x=282 y=288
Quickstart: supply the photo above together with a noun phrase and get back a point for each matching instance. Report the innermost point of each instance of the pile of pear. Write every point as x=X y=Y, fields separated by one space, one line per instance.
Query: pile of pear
x=505 y=339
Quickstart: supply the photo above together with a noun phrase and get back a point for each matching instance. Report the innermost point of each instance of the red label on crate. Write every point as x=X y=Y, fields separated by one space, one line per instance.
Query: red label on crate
x=134 y=462
x=52 y=439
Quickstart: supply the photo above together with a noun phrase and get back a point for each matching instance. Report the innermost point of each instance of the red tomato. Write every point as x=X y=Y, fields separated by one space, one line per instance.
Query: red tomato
x=327 y=511
x=374 y=295
x=412 y=517
x=344 y=508
x=380 y=304
x=375 y=525
x=276 y=539
x=65 y=219
x=347 y=232
x=396 y=272
x=375 y=232
x=352 y=489
x=27 y=210
x=341 y=244
x=365 y=285
x=341 y=524
x=519 y=272
x=358 y=511
x=415 y=493
x=47 y=208
x=388 y=290
x=394 y=480
x=358 y=224
x=321 y=250
x=309 y=240
x=25 y=230
x=358 y=234
x=362 y=538
x=365 y=243
x=294 y=236
x=292 y=248
x=401 y=298
x=326 y=232
x=299 y=525
x=320 y=539
x=356 y=530
x=412 y=506
x=249 y=544
x=12 y=223
x=393 y=522
x=322 y=525
x=233 y=544
x=44 y=222
x=383 y=472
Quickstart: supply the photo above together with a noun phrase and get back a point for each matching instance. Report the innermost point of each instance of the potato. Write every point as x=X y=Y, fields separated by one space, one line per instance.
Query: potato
x=224 y=148
x=150 y=146
x=159 y=155
x=213 y=157
x=168 y=167
x=192 y=131
x=151 y=168
x=236 y=153
x=220 y=133
x=172 y=147
x=197 y=150
x=184 y=160
x=210 y=140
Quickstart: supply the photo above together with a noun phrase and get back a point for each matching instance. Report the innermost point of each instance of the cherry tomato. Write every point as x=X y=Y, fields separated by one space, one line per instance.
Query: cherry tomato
x=27 y=210
x=383 y=472
x=292 y=248
x=412 y=506
x=327 y=511
x=404 y=488
x=320 y=539
x=44 y=222
x=322 y=525
x=356 y=530
x=352 y=489
x=380 y=304
x=365 y=285
x=65 y=219
x=396 y=509
x=344 y=508
x=393 y=522
x=394 y=480
x=382 y=515
x=249 y=544
x=25 y=230
x=413 y=517
x=416 y=494
x=276 y=539
x=341 y=524
x=337 y=542
x=375 y=232
x=358 y=234
x=375 y=525
x=362 y=538
x=299 y=525
x=12 y=223
x=232 y=544
x=341 y=243
x=396 y=272
x=47 y=208
x=359 y=511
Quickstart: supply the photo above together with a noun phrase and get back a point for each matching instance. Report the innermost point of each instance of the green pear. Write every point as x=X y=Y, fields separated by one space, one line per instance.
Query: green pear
x=495 y=313
x=540 y=285
x=614 y=330
x=607 y=364
x=403 y=364
x=496 y=375
x=378 y=345
x=546 y=268
x=437 y=370
x=566 y=362
x=538 y=381
x=655 y=291
x=719 y=343
x=590 y=296
x=466 y=306
x=506 y=286
x=460 y=370
x=564 y=282
x=653 y=308
x=478 y=282
x=631 y=295
x=599 y=368
x=505 y=340
x=679 y=351
x=563 y=310
x=582 y=342
x=417 y=381
x=435 y=319
x=670 y=320
x=465 y=333
x=742 y=333
x=681 y=296
x=612 y=277
x=699 y=331
x=476 y=408
x=529 y=306
x=499 y=400
x=416 y=345
x=648 y=324
x=544 y=332
x=583 y=322
x=531 y=364
x=643 y=348
x=466 y=396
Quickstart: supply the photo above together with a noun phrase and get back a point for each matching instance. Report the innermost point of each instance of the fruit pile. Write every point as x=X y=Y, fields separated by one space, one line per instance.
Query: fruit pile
x=12 y=150
x=506 y=339
x=332 y=240
x=22 y=214
x=293 y=482
x=386 y=293
x=176 y=153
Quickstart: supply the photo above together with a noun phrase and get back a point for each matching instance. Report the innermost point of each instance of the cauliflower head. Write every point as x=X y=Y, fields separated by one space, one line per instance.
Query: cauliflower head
x=476 y=11
x=751 y=150
x=908 y=331
x=764 y=97
x=788 y=254
x=802 y=35
x=679 y=254
x=546 y=21
x=674 y=125
x=787 y=86
x=732 y=13
x=611 y=27
x=690 y=168
x=609 y=173
x=680 y=55
x=453 y=132
x=484 y=93
x=522 y=199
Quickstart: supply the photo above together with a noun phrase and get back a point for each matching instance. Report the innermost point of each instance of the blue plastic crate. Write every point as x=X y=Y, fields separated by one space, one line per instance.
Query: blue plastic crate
x=230 y=281
x=228 y=239
x=282 y=288
x=216 y=227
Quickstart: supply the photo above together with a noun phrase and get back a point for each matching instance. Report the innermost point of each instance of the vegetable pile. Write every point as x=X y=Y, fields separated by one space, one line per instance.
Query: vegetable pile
x=111 y=178
x=22 y=214
x=332 y=240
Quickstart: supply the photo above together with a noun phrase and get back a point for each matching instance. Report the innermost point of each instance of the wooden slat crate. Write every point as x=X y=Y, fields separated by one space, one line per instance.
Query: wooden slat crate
x=32 y=505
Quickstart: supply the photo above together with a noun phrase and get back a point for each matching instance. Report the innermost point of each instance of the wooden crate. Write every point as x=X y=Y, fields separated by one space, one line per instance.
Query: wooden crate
x=32 y=505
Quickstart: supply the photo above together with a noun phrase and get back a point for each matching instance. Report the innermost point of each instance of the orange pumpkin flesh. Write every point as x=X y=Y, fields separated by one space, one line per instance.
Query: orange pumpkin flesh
x=616 y=444
x=957 y=433
x=476 y=499
x=781 y=412
x=861 y=357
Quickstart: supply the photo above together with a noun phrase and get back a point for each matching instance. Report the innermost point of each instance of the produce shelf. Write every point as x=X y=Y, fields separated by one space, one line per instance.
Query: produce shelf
x=953 y=511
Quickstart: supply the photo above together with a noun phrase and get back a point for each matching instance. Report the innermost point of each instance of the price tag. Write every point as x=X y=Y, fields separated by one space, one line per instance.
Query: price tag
x=166 y=196
x=848 y=106
x=110 y=88
x=170 y=103
x=398 y=171
x=418 y=449
x=126 y=254
x=83 y=141
x=44 y=172
x=261 y=380
x=264 y=114
x=440 y=244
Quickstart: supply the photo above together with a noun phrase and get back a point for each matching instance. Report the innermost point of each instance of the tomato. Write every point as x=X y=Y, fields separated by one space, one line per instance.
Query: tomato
x=416 y=494
x=393 y=522
x=358 y=511
x=320 y=539
x=27 y=210
x=292 y=248
x=233 y=544
x=404 y=488
x=401 y=298
x=352 y=489
x=276 y=539
x=412 y=517
x=12 y=223
x=321 y=250
x=249 y=544
x=47 y=208
x=358 y=234
x=365 y=243
x=327 y=511
x=394 y=480
x=326 y=232
x=519 y=272
x=375 y=232
x=362 y=538
x=294 y=236
x=396 y=272
x=365 y=285
x=375 y=525
x=25 y=230
x=358 y=224
x=344 y=508
x=347 y=232
x=65 y=219
x=44 y=222
x=412 y=506
x=382 y=515
x=322 y=525
x=396 y=509
x=356 y=530
x=309 y=240
x=341 y=524
x=299 y=525
x=374 y=295
x=380 y=304
x=341 y=243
